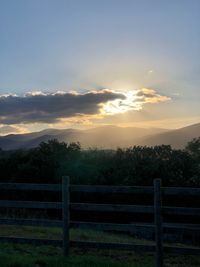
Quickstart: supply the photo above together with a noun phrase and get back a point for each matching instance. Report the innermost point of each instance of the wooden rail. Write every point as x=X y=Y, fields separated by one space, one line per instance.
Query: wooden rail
x=166 y=191
x=159 y=227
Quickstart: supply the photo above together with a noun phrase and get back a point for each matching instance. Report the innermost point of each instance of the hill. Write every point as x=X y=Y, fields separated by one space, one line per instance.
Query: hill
x=176 y=138
x=105 y=137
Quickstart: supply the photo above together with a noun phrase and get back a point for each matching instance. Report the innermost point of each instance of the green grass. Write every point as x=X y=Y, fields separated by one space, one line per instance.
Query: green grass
x=15 y=255
x=75 y=234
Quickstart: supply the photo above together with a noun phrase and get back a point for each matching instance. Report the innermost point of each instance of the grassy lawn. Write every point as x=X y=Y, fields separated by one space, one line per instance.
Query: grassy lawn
x=12 y=255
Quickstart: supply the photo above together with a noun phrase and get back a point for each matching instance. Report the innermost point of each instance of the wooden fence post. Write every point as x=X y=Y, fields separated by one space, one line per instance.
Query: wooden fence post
x=65 y=213
x=158 y=223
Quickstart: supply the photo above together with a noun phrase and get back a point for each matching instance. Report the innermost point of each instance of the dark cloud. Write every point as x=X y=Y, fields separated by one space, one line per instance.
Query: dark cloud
x=146 y=95
x=49 y=108
x=143 y=95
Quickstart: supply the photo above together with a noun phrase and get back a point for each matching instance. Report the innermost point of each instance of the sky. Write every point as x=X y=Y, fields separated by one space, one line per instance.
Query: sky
x=79 y=64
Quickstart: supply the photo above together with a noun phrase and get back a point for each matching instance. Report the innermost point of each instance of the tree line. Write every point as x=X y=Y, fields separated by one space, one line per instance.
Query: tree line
x=137 y=165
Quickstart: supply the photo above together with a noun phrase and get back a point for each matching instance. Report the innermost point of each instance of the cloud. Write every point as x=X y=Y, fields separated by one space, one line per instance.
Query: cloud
x=40 y=107
x=7 y=129
x=50 y=108
x=146 y=95
x=134 y=101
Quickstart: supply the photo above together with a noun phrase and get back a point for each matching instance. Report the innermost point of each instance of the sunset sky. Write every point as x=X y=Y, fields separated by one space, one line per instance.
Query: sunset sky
x=86 y=63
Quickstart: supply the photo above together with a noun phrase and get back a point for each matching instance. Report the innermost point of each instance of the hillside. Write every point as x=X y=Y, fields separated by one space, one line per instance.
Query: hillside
x=105 y=137
x=176 y=138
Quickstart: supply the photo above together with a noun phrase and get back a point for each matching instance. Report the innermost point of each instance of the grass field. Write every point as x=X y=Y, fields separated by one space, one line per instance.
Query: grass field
x=12 y=255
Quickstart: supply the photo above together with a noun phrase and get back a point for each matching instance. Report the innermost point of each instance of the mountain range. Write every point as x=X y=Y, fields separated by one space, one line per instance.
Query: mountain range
x=105 y=137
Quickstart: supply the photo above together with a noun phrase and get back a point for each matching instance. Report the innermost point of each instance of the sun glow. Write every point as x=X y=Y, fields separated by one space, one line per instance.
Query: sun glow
x=133 y=100
x=121 y=105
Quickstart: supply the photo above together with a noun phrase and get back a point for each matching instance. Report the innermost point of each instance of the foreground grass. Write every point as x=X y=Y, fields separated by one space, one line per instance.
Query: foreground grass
x=15 y=255
x=28 y=256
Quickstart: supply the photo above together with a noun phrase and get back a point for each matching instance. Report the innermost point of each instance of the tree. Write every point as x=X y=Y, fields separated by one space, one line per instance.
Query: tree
x=193 y=147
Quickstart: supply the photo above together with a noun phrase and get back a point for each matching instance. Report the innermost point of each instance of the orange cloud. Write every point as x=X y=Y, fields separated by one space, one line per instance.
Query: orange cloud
x=134 y=100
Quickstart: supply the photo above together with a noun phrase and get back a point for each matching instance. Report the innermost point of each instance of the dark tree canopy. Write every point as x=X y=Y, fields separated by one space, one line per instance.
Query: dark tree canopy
x=136 y=165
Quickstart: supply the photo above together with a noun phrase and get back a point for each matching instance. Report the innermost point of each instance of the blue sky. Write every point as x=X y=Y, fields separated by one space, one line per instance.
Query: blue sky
x=121 y=45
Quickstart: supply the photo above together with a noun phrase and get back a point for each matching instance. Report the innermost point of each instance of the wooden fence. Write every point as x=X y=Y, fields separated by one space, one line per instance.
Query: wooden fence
x=66 y=206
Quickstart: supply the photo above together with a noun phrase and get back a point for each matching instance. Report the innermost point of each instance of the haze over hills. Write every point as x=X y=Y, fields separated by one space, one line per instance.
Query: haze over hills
x=105 y=137
x=176 y=138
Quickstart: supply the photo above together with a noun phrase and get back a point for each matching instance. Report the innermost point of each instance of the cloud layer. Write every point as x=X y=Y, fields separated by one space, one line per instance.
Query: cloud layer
x=4 y=130
x=38 y=107
x=49 y=108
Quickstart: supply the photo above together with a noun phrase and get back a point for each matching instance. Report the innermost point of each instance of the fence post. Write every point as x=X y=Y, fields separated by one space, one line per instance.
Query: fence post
x=65 y=213
x=158 y=223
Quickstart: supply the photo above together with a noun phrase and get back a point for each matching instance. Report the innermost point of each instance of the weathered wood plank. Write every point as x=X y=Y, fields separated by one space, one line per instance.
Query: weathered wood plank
x=35 y=241
x=134 y=208
x=106 y=226
x=31 y=187
x=30 y=204
x=31 y=222
x=181 y=211
x=115 y=246
x=181 y=250
x=130 y=227
x=182 y=226
x=111 y=189
x=111 y=208
x=99 y=226
x=181 y=191
x=98 y=207
x=101 y=189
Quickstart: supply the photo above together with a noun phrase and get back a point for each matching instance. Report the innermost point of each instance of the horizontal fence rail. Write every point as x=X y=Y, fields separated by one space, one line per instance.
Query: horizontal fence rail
x=33 y=241
x=111 y=208
x=112 y=189
x=30 y=204
x=100 y=226
x=180 y=191
x=129 y=227
x=158 y=228
x=31 y=222
x=181 y=211
x=177 y=191
x=31 y=187
x=102 y=245
x=99 y=207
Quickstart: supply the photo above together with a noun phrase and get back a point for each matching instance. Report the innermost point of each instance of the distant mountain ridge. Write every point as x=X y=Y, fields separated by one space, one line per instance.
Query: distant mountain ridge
x=176 y=138
x=104 y=137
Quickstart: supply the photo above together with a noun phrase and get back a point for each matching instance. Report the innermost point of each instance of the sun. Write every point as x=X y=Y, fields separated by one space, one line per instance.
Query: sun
x=118 y=106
